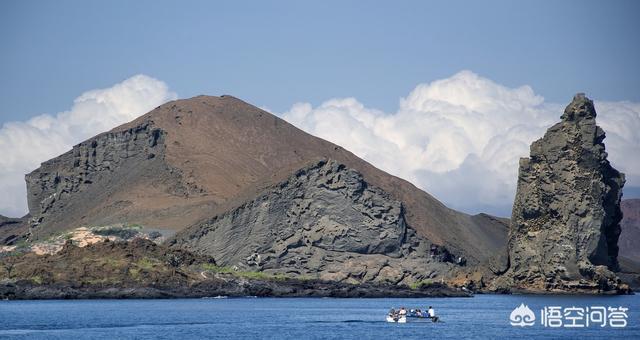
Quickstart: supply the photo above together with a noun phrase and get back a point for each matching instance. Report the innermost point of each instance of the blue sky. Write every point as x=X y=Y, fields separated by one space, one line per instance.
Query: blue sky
x=276 y=53
x=445 y=94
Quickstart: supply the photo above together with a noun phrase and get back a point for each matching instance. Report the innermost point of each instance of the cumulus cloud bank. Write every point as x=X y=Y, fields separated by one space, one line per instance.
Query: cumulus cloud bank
x=460 y=138
x=26 y=144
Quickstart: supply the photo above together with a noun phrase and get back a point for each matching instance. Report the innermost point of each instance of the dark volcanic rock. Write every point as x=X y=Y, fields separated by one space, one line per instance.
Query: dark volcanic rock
x=143 y=269
x=630 y=235
x=230 y=286
x=63 y=191
x=324 y=221
x=629 y=257
x=565 y=222
x=12 y=229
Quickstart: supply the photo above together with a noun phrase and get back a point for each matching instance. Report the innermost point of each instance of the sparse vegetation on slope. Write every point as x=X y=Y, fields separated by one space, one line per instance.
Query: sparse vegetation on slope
x=143 y=269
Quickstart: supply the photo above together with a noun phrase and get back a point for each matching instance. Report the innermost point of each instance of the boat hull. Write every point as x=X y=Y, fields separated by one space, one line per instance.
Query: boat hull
x=397 y=320
x=411 y=319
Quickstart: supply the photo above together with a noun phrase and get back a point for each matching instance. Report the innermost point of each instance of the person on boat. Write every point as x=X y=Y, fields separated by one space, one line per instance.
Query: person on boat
x=418 y=313
x=402 y=312
x=431 y=313
x=392 y=312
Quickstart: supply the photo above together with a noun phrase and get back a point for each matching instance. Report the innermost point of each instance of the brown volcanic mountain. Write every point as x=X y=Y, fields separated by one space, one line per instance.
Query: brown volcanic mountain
x=190 y=160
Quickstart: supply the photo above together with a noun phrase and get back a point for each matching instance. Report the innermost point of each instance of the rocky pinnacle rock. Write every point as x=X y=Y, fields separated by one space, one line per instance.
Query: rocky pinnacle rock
x=566 y=216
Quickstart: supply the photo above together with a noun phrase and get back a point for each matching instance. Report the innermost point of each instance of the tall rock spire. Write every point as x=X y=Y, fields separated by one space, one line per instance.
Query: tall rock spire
x=565 y=221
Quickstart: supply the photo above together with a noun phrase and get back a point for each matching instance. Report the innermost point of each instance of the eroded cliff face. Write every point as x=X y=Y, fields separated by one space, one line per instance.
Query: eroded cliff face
x=323 y=222
x=565 y=222
x=72 y=172
x=62 y=190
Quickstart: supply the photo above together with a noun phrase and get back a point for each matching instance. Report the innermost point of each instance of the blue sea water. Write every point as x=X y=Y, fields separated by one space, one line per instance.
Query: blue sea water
x=481 y=317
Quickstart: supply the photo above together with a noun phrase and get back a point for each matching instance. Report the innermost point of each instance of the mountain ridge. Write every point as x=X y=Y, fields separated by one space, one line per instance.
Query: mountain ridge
x=189 y=159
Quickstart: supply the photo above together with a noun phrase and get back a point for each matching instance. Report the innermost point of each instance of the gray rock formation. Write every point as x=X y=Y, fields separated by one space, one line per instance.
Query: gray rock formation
x=630 y=224
x=60 y=179
x=323 y=222
x=12 y=229
x=64 y=187
x=629 y=256
x=565 y=221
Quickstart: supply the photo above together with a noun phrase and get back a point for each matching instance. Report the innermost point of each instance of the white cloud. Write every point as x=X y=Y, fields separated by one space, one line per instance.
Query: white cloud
x=25 y=145
x=460 y=138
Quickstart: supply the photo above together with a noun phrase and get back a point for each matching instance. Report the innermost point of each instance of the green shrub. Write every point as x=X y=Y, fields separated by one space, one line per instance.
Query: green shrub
x=262 y=276
x=146 y=263
x=421 y=284
x=134 y=273
x=252 y=275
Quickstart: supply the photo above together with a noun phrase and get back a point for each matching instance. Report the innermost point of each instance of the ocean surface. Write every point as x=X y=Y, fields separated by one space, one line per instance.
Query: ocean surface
x=480 y=317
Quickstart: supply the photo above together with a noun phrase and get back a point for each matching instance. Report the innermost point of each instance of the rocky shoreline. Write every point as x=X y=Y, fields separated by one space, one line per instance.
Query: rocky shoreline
x=258 y=288
x=219 y=288
x=144 y=269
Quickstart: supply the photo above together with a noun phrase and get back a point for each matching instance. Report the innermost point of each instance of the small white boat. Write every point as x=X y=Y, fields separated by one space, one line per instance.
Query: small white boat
x=411 y=319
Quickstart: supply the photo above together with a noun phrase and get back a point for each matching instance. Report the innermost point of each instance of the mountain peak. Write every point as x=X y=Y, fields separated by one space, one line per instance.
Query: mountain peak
x=193 y=159
x=580 y=107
